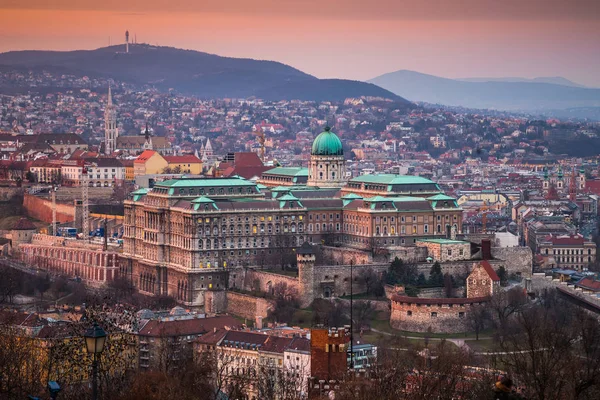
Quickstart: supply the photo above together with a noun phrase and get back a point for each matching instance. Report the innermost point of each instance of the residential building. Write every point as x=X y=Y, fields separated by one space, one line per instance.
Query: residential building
x=188 y=164
x=165 y=343
x=149 y=162
x=105 y=172
x=259 y=363
x=567 y=252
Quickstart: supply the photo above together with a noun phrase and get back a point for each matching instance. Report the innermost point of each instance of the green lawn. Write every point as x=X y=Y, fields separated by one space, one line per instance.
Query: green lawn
x=364 y=296
x=483 y=345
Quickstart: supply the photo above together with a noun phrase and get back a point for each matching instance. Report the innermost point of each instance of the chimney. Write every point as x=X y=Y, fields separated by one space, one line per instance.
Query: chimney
x=486 y=249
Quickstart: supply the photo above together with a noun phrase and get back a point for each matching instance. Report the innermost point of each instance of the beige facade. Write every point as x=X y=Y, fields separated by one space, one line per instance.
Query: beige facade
x=567 y=251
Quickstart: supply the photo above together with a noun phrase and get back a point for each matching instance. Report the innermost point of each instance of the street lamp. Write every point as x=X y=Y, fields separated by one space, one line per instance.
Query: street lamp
x=351 y=317
x=95 y=337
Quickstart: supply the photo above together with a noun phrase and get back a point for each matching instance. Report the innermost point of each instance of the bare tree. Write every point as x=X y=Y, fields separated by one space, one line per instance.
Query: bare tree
x=505 y=303
x=552 y=349
x=478 y=319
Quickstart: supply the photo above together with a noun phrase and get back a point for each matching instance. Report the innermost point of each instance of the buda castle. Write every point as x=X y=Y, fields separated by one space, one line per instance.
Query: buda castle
x=183 y=236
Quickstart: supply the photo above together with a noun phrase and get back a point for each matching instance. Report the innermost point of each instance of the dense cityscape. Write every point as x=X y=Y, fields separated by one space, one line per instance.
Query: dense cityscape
x=158 y=244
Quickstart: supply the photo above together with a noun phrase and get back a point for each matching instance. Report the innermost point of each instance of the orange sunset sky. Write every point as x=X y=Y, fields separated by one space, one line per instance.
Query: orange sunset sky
x=334 y=38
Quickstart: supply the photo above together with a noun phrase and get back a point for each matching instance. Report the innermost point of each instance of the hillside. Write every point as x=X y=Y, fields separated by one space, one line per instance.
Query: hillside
x=193 y=72
x=554 y=80
x=513 y=96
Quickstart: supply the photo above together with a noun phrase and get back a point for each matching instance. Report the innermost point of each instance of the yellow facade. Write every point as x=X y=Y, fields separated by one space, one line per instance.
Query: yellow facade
x=149 y=162
x=129 y=174
x=186 y=167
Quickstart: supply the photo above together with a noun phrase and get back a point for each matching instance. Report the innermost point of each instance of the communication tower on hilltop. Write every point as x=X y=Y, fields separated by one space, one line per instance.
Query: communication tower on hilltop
x=126 y=41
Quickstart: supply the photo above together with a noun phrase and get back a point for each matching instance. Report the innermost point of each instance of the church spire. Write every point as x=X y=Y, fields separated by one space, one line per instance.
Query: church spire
x=110 y=126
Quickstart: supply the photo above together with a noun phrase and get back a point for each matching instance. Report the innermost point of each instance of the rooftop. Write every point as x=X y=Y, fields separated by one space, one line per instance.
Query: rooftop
x=391 y=179
x=442 y=241
x=289 y=171
x=204 y=182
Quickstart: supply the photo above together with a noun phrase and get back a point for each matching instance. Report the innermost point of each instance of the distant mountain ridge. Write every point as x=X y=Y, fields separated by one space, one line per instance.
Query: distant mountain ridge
x=196 y=73
x=554 y=80
x=535 y=97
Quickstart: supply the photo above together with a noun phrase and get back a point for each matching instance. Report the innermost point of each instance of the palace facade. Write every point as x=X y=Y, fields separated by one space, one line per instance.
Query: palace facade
x=182 y=237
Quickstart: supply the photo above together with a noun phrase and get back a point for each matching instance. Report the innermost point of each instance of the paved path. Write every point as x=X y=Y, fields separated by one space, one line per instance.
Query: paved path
x=455 y=340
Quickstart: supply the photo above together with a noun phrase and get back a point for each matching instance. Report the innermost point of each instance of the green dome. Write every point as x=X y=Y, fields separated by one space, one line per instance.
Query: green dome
x=327 y=144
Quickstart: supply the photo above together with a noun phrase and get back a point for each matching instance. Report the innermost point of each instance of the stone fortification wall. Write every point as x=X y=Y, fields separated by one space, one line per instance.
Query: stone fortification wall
x=444 y=252
x=327 y=255
x=408 y=254
x=379 y=305
x=335 y=279
x=250 y=279
x=518 y=260
x=441 y=315
x=41 y=209
x=246 y=306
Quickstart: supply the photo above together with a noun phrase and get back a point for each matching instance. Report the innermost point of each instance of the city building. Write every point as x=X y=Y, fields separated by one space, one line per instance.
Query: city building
x=188 y=164
x=60 y=256
x=149 y=162
x=166 y=342
x=256 y=361
x=567 y=252
x=188 y=232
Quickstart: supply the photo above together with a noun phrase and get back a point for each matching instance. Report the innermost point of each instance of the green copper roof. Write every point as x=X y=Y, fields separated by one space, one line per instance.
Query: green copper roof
x=288 y=171
x=204 y=182
x=138 y=194
x=203 y=199
x=287 y=197
x=391 y=179
x=327 y=144
x=351 y=196
x=140 y=191
x=440 y=197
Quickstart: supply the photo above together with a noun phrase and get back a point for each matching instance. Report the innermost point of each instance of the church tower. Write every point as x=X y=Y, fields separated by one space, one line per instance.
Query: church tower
x=327 y=167
x=207 y=152
x=110 y=126
x=148 y=139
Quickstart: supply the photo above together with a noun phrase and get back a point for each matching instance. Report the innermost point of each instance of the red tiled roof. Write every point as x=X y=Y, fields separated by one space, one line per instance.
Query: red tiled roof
x=590 y=284
x=145 y=156
x=190 y=159
x=567 y=240
x=19 y=318
x=592 y=186
x=24 y=225
x=182 y=327
x=247 y=159
x=490 y=271
x=299 y=344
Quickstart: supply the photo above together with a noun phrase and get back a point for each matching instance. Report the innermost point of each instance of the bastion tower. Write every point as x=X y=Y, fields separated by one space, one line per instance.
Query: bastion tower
x=305 y=258
x=327 y=167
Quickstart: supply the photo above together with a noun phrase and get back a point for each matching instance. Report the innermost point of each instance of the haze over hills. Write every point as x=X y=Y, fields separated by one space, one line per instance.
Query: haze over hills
x=195 y=73
x=524 y=96
x=555 y=80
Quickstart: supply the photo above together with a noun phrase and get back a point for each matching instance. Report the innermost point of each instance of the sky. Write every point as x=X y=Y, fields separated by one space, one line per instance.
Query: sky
x=353 y=39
